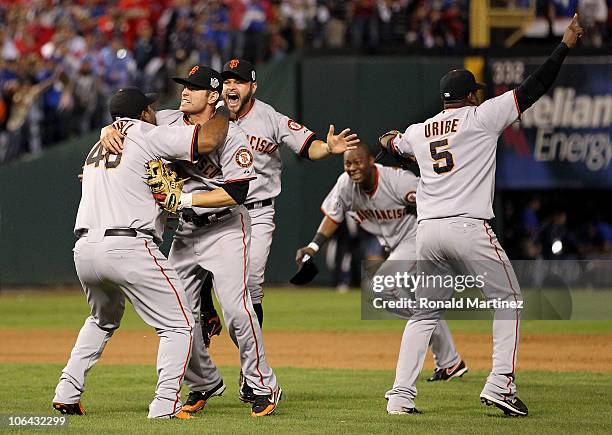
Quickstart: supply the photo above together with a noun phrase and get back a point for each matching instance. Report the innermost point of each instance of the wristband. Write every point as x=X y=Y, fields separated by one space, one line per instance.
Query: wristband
x=313 y=246
x=185 y=201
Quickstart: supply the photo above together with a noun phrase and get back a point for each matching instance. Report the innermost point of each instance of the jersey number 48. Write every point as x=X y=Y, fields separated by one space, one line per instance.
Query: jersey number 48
x=98 y=153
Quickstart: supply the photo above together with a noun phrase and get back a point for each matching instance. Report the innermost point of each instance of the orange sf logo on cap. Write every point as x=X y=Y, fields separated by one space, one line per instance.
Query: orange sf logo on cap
x=193 y=70
x=234 y=63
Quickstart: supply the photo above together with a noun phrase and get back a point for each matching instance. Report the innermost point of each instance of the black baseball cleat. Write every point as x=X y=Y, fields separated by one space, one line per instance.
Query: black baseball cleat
x=266 y=405
x=512 y=407
x=246 y=393
x=211 y=325
x=69 y=408
x=449 y=373
x=197 y=399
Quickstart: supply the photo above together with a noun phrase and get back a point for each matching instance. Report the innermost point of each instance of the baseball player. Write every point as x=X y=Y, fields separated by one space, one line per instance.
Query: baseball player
x=378 y=198
x=455 y=151
x=216 y=239
x=267 y=130
x=118 y=226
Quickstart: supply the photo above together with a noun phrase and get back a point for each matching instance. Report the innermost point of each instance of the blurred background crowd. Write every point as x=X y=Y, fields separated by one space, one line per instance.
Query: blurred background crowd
x=61 y=59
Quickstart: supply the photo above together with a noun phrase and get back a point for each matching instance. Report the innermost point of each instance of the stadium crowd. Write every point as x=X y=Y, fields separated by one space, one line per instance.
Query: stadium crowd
x=61 y=59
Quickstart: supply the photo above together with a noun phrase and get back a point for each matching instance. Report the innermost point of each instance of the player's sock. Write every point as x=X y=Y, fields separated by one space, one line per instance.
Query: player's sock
x=206 y=295
x=259 y=311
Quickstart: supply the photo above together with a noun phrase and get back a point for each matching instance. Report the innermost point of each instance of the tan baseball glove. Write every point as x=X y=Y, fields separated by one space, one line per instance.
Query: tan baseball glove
x=165 y=185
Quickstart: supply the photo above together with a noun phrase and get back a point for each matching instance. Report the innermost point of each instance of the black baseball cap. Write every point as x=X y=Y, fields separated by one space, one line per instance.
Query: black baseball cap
x=129 y=102
x=457 y=84
x=243 y=69
x=202 y=77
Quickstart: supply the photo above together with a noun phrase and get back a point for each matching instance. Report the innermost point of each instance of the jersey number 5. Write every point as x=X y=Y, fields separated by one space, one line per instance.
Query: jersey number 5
x=97 y=154
x=445 y=155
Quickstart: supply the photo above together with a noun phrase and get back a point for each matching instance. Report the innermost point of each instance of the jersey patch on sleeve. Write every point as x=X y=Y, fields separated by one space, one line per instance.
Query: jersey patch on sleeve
x=294 y=125
x=244 y=157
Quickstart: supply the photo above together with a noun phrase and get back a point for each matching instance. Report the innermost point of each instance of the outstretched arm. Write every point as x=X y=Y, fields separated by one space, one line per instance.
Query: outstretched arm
x=538 y=83
x=336 y=144
x=210 y=135
x=326 y=229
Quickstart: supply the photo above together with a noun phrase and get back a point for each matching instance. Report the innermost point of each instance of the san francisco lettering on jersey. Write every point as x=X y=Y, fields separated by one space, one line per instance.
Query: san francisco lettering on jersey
x=380 y=215
x=262 y=145
x=208 y=170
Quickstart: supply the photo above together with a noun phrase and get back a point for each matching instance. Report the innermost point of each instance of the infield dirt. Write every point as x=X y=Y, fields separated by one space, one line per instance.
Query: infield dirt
x=352 y=350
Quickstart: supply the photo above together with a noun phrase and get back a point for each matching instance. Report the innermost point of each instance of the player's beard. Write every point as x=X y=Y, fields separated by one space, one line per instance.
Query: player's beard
x=245 y=103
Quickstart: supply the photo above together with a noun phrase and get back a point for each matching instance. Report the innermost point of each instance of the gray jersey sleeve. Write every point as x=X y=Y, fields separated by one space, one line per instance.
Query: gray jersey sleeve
x=237 y=159
x=292 y=134
x=401 y=145
x=174 y=143
x=334 y=205
x=498 y=113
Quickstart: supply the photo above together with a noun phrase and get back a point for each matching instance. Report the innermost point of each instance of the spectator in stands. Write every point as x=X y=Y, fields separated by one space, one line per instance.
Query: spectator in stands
x=558 y=242
x=87 y=97
x=254 y=27
x=604 y=229
x=335 y=27
x=593 y=18
x=146 y=56
x=530 y=226
x=236 y=11
x=362 y=16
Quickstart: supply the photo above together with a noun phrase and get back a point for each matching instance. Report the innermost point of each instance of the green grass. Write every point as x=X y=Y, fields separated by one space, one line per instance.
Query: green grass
x=321 y=401
x=286 y=310
x=315 y=400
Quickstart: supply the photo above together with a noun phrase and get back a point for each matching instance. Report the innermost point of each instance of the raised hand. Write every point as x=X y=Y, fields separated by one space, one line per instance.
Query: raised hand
x=573 y=32
x=342 y=142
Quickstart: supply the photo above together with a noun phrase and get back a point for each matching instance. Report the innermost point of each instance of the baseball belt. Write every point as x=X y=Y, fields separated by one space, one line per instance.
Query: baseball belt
x=124 y=232
x=208 y=218
x=259 y=204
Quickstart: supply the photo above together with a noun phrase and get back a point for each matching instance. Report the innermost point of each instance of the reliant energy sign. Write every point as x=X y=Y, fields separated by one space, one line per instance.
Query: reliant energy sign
x=564 y=140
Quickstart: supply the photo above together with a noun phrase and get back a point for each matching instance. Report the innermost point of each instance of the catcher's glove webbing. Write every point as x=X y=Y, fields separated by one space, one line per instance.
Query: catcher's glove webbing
x=164 y=185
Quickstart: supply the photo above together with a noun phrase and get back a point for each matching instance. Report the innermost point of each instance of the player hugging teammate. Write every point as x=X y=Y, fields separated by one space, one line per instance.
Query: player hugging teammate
x=227 y=206
x=243 y=178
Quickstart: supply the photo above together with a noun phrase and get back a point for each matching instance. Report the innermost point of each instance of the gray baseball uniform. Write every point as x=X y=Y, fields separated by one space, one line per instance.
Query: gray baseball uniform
x=221 y=248
x=383 y=213
x=267 y=130
x=116 y=256
x=455 y=151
